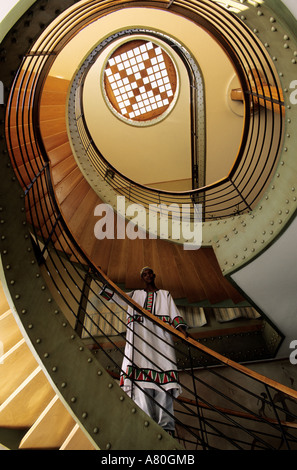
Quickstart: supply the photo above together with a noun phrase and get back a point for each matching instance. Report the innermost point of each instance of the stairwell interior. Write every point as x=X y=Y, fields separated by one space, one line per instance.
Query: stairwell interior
x=195 y=279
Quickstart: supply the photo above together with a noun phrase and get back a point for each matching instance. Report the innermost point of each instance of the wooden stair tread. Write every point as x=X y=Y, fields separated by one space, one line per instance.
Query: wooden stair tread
x=62 y=169
x=77 y=440
x=171 y=278
x=50 y=429
x=4 y=305
x=192 y=284
x=35 y=391
x=56 y=140
x=9 y=331
x=68 y=184
x=71 y=203
x=18 y=363
x=83 y=212
x=53 y=126
x=56 y=84
x=51 y=111
x=57 y=154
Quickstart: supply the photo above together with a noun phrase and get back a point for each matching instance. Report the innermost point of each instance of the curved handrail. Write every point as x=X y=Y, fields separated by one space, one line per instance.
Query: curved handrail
x=48 y=225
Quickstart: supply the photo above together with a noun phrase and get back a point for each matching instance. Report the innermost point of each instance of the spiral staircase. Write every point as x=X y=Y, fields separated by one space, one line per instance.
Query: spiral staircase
x=55 y=392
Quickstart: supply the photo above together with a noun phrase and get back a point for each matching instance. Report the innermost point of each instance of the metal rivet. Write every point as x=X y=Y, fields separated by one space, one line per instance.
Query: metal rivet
x=122 y=398
x=159 y=436
x=46 y=355
x=133 y=410
x=17 y=296
x=90 y=359
x=95 y=430
x=64 y=385
x=146 y=423
x=54 y=369
x=30 y=326
x=38 y=341
x=84 y=415
x=99 y=372
x=73 y=399
x=108 y=446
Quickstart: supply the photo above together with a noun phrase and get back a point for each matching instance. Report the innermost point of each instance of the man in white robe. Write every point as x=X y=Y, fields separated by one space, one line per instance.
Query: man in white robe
x=149 y=372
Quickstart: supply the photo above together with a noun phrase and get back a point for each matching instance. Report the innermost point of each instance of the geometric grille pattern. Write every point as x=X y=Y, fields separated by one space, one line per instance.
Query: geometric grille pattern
x=140 y=80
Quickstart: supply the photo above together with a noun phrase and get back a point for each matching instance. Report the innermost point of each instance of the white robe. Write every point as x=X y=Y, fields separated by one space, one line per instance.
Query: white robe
x=149 y=357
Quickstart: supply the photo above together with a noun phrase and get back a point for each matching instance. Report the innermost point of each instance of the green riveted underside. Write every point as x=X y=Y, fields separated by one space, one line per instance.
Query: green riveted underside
x=240 y=239
x=90 y=394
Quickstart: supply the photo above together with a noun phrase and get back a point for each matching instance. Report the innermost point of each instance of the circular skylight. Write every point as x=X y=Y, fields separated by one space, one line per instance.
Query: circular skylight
x=140 y=82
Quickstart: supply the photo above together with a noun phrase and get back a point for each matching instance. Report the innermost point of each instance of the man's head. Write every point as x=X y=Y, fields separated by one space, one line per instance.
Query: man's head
x=147 y=274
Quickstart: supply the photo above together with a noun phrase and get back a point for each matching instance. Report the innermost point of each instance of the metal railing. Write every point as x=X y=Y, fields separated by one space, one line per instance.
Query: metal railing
x=207 y=415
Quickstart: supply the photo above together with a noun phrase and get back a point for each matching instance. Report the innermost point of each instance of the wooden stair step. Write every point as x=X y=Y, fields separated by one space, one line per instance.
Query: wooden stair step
x=101 y=253
x=4 y=305
x=193 y=287
x=221 y=282
x=39 y=214
x=48 y=112
x=27 y=173
x=51 y=98
x=56 y=140
x=58 y=154
x=56 y=84
x=117 y=266
x=83 y=212
x=50 y=429
x=135 y=263
x=9 y=332
x=171 y=277
x=62 y=169
x=35 y=391
x=68 y=184
x=62 y=243
x=20 y=135
x=53 y=127
x=17 y=363
x=71 y=203
x=23 y=154
x=202 y=263
x=77 y=440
